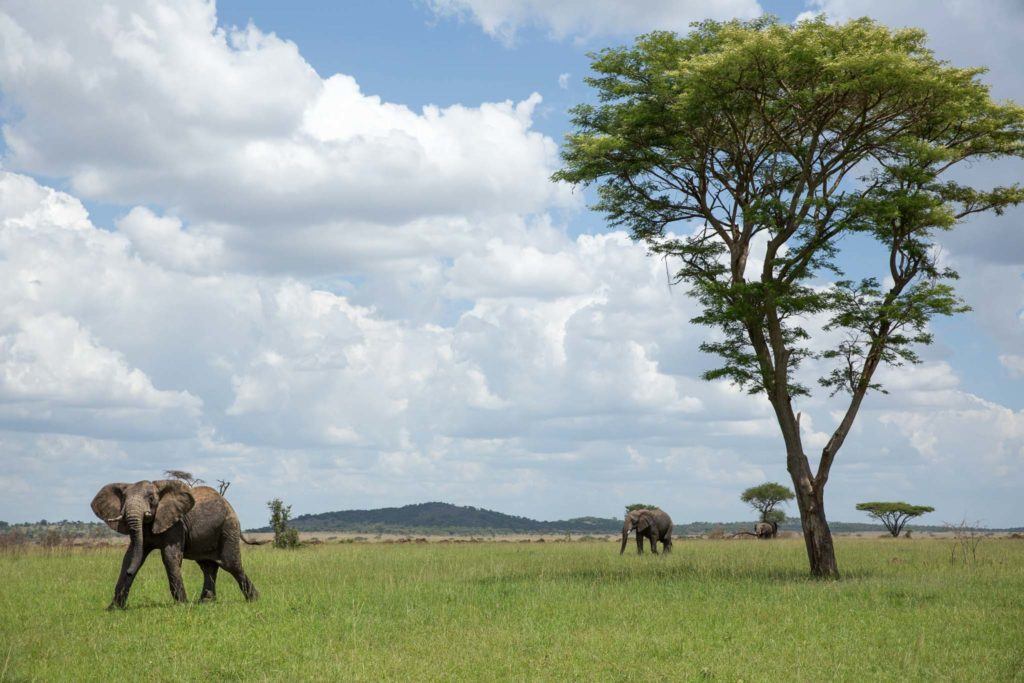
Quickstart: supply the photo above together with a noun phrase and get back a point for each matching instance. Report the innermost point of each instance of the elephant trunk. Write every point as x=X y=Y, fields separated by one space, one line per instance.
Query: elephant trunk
x=133 y=515
x=625 y=537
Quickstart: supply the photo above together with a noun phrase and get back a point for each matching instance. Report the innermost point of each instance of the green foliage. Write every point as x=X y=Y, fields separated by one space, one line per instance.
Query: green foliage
x=531 y=612
x=284 y=535
x=894 y=515
x=777 y=516
x=765 y=497
x=641 y=506
x=758 y=129
x=182 y=475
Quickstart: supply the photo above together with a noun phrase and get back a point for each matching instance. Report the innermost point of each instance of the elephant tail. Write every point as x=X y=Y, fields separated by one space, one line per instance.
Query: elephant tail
x=246 y=540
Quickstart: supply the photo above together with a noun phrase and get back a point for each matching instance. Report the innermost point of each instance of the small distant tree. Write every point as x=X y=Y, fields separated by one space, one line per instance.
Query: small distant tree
x=182 y=475
x=765 y=498
x=222 y=486
x=894 y=515
x=641 y=506
x=284 y=535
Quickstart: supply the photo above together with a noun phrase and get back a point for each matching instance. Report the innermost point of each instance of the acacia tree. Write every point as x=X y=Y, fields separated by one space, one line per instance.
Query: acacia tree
x=182 y=475
x=894 y=515
x=769 y=143
x=765 y=497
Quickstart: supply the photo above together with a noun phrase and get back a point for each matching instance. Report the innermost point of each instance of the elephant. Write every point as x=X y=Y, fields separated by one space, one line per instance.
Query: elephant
x=766 y=529
x=655 y=525
x=183 y=523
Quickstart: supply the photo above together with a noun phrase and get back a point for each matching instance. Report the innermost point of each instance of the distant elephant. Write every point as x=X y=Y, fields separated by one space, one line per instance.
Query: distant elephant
x=182 y=522
x=766 y=529
x=655 y=525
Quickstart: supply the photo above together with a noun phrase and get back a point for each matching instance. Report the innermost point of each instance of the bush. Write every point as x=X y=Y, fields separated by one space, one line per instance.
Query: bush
x=284 y=535
x=53 y=538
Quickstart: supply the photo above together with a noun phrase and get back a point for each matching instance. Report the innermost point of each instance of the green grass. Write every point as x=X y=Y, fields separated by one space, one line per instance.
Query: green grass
x=718 y=610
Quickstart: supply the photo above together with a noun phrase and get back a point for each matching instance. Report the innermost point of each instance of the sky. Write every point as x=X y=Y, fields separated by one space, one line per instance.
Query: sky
x=314 y=249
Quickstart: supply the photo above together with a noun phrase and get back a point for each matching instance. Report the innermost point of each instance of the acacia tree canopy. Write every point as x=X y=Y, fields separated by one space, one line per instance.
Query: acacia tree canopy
x=765 y=497
x=894 y=515
x=745 y=151
x=182 y=475
x=641 y=506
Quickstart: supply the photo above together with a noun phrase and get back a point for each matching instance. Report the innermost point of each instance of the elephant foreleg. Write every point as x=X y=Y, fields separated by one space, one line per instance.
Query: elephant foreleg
x=172 y=557
x=209 y=568
x=125 y=580
x=639 y=543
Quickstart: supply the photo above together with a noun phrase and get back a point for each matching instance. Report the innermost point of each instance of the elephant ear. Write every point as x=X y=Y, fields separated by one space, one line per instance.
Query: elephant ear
x=643 y=521
x=175 y=501
x=107 y=506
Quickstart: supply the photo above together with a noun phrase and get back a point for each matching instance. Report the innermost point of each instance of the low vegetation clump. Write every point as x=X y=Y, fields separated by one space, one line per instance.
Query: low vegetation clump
x=548 y=611
x=285 y=536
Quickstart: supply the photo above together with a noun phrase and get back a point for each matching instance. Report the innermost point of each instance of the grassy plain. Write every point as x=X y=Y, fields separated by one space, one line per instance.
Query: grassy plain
x=714 y=610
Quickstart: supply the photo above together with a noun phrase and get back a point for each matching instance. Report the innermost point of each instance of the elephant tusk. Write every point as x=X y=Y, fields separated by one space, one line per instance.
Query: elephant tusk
x=114 y=519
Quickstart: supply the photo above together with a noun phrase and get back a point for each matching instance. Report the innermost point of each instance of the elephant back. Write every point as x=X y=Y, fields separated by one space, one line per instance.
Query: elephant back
x=662 y=519
x=210 y=509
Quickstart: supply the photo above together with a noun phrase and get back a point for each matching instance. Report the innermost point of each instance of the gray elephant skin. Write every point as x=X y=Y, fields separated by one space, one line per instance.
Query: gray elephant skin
x=182 y=523
x=766 y=529
x=654 y=525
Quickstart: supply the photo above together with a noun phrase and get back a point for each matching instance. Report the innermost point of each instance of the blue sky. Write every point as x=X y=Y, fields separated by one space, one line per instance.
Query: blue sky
x=312 y=248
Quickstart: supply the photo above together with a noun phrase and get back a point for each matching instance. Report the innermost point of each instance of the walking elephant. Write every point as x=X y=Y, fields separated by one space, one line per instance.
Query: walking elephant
x=766 y=529
x=182 y=523
x=655 y=525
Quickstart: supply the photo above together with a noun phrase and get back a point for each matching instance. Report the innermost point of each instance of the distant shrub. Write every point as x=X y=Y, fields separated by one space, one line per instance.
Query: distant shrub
x=284 y=536
x=641 y=506
x=53 y=538
x=13 y=540
x=717 y=533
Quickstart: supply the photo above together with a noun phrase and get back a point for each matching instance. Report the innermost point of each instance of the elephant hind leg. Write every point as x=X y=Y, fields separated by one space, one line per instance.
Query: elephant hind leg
x=248 y=590
x=231 y=560
x=209 y=568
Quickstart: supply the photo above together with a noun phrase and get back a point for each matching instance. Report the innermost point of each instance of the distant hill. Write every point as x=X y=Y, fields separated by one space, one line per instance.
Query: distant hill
x=441 y=518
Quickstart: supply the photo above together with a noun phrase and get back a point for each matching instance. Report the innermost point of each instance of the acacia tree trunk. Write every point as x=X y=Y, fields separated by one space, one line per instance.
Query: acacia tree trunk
x=810 y=495
x=821 y=553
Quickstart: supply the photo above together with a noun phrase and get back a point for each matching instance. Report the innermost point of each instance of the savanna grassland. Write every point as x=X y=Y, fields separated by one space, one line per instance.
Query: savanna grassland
x=713 y=610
